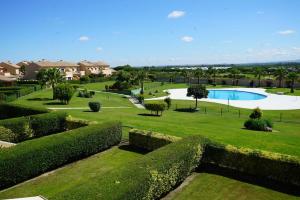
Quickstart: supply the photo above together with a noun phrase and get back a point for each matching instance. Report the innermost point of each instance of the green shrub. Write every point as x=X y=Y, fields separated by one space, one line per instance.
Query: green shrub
x=156 y=107
x=260 y=164
x=76 y=123
x=95 y=106
x=149 y=140
x=20 y=128
x=64 y=92
x=49 y=123
x=168 y=101
x=6 y=134
x=140 y=98
x=86 y=94
x=256 y=114
x=258 y=124
x=31 y=158
x=148 y=178
x=14 y=110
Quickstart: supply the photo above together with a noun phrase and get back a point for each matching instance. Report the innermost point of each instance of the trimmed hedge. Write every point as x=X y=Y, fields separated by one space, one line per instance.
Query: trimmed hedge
x=40 y=125
x=150 y=177
x=156 y=107
x=149 y=140
x=258 y=124
x=14 y=110
x=261 y=164
x=34 y=157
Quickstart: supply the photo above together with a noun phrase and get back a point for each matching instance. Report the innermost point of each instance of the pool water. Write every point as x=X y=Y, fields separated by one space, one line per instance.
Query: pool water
x=234 y=95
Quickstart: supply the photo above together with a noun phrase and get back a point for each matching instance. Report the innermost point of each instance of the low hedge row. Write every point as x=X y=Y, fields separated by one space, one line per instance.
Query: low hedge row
x=39 y=125
x=260 y=164
x=8 y=110
x=33 y=157
x=150 y=177
x=149 y=140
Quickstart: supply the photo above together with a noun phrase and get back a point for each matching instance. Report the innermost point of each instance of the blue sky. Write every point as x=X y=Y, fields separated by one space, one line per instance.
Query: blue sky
x=150 y=32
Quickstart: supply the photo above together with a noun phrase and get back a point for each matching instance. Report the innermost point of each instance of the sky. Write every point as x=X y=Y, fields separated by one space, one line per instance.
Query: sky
x=150 y=32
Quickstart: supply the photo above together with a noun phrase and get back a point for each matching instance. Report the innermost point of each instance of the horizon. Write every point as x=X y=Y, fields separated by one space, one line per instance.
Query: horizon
x=151 y=33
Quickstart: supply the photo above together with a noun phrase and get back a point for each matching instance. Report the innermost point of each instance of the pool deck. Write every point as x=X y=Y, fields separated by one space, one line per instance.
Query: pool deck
x=271 y=102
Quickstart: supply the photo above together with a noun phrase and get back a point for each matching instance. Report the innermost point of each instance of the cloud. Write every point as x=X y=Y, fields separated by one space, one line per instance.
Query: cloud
x=187 y=38
x=176 y=14
x=99 y=49
x=286 y=32
x=83 y=38
x=260 y=12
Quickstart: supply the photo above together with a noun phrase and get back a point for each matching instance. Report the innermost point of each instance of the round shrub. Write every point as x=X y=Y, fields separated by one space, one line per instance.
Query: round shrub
x=258 y=124
x=156 y=107
x=168 y=101
x=95 y=106
x=256 y=114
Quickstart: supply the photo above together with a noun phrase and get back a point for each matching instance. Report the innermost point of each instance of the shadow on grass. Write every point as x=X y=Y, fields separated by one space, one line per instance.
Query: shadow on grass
x=149 y=115
x=130 y=148
x=255 y=180
x=190 y=110
x=54 y=103
x=39 y=99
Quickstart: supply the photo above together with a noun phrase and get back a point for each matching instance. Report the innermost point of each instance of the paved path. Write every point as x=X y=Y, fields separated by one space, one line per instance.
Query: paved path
x=136 y=103
x=83 y=108
x=271 y=102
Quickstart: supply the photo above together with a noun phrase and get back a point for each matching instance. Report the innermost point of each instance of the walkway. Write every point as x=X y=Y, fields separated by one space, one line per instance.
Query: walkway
x=271 y=102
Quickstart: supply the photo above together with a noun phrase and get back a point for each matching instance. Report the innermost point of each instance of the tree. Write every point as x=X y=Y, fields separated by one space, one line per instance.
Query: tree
x=198 y=92
x=184 y=74
x=259 y=72
x=142 y=76
x=234 y=72
x=292 y=76
x=198 y=74
x=54 y=77
x=280 y=74
x=64 y=92
x=42 y=77
x=168 y=101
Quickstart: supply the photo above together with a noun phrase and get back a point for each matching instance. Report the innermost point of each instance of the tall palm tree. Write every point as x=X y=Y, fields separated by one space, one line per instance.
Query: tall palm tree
x=214 y=74
x=235 y=75
x=293 y=77
x=54 y=77
x=280 y=74
x=259 y=73
x=198 y=74
x=209 y=73
x=184 y=74
x=142 y=76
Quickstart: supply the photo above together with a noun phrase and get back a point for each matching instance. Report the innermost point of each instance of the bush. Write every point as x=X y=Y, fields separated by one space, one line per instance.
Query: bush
x=24 y=128
x=86 y=94
x=168 y=101
x=256 y=114
x=156 y=107
x=14 y=110
x=140 y=98
x=149 y=140
x=258 y=124
x=64 y=92
x=76 y=123
x=95 y=106
x=46 y=124
x=259 y=164
x=34 y=157
x=6 y=134
x=149 y=177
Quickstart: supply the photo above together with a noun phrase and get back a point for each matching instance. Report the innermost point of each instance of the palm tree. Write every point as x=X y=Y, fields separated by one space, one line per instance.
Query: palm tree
x=184 y=74
x=293 y=76
x=198 y=74
x=42 y=77
x=235 y=75
x=142 y=76
x=280 y=74
x=214 y=74
x=209 y=73
x=54 y=77
x=259 y=72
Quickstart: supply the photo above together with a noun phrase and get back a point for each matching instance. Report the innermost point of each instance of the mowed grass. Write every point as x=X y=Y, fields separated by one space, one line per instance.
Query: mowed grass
x=286 y=91
x=227 y=128
x=77 y=173
x=214 y=187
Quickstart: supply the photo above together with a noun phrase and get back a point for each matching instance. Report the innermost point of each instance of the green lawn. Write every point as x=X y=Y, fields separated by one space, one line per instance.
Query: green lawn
x=50 y=184
x=212 y=187
x=286 y=91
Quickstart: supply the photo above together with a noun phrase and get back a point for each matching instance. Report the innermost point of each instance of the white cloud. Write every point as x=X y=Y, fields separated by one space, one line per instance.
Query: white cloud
x=296 y=48
x=83 y=38
x=99 y=49
x=286 y=32
x=260 y=12
x=187 y=38
x=176 y=14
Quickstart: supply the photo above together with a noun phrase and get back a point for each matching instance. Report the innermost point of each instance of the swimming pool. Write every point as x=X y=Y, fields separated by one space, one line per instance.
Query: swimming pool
x=234 y=95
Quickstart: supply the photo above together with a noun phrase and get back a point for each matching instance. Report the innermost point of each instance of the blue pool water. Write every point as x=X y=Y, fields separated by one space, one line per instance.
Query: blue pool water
x=234 y=95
